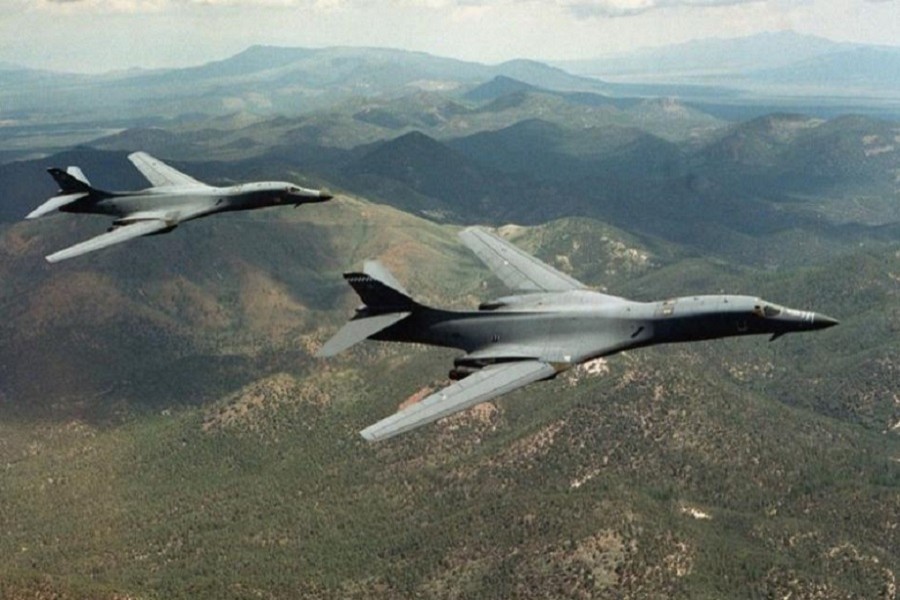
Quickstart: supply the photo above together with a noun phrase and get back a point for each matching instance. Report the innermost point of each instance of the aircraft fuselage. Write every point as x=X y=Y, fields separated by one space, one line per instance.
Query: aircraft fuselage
x=173 y=199
x=576 y=326
x=189 y=202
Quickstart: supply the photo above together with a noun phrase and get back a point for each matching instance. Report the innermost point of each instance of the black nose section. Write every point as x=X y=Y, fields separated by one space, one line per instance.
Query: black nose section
x=823 y=322
x=321 y=196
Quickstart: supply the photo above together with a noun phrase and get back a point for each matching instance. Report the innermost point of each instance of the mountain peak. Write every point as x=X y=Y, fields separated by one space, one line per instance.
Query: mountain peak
x=261 y=57
x=499 y=86
x=413 y=148
x=415 y=139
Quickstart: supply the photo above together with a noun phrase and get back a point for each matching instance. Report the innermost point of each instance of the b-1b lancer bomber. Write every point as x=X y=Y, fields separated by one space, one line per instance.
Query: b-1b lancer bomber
x=556 y=324
x=173 y=198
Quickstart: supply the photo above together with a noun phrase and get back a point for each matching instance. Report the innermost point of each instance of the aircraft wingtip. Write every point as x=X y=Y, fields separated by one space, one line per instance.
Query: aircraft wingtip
x=369 y=435
x=469 y=232
x=58 y=256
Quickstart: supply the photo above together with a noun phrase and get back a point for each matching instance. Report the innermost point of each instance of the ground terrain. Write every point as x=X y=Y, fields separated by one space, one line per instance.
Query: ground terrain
x=166 y=432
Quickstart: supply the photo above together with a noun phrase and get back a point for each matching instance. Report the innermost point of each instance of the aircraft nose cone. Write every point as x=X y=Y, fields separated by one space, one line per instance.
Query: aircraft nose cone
x=824 y=322
x=325 y=195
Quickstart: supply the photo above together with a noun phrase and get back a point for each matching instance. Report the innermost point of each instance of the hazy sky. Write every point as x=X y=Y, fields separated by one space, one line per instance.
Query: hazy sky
x=101 y=35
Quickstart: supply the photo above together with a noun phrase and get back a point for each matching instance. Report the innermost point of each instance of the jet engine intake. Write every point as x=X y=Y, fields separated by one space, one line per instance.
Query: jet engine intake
x=462 y=371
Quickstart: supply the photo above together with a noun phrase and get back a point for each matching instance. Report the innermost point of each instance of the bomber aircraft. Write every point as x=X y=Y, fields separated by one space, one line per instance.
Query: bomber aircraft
x=173 y=198
x=556 y=324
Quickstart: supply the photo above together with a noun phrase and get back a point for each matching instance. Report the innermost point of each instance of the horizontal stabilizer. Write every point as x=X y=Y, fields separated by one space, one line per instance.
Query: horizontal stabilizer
x=55 y=203
x=116 y=236
x=484 y=385
x=358 y=330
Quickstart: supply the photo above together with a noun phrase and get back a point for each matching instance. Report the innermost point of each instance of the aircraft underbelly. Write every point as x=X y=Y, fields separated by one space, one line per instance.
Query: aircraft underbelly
x=176 y=207
x=553 y=337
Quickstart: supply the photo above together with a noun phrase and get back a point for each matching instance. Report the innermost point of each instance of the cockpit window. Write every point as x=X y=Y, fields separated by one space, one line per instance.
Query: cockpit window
x=293 y=189
x=766 y=310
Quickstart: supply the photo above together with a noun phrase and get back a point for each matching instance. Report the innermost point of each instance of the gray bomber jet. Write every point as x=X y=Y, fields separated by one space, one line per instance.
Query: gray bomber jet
x=557 y=324
x=173 y=199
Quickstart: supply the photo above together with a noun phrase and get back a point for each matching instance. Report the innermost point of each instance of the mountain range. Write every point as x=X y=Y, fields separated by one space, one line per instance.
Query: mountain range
x=803 y=64
x=165 y=430
x=262 y=79
x=801 y=74
x=764 y=178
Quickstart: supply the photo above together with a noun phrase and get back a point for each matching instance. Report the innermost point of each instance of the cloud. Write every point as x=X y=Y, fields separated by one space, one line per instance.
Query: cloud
x=105 y=6
x=582 y=9
x=139 y=6
x=585 y=9
x=253 y=3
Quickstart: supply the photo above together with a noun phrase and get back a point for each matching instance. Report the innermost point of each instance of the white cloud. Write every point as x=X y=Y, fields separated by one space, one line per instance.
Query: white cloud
x=627 y=8
x=580 y=8
x=149 y=6
x=258 y=3
x=104 y=6
x=463 y=14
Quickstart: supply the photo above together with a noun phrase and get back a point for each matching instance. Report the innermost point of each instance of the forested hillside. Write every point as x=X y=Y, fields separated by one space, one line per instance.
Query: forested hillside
x=166 y=431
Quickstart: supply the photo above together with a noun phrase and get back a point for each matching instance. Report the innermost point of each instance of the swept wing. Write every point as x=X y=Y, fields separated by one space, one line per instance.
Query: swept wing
x=484 y=385
x=515 y=268
x=116 y=236
x=159 y=173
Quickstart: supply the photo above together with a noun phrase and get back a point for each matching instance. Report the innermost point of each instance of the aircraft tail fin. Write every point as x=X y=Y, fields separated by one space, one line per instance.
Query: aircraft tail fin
x=73 y=186
x=71 y=181
x=379 y=290
x=385 y=303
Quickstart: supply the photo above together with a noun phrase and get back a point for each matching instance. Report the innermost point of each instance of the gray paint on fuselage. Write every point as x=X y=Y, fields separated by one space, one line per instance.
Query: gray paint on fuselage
x=182 y=199
x=569 y=330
